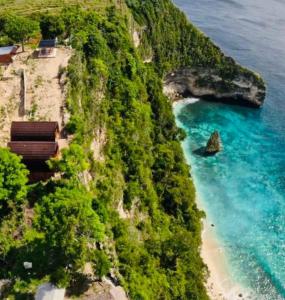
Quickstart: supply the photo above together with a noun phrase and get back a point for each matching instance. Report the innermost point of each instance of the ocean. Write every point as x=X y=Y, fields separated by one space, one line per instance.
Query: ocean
x=242 y=189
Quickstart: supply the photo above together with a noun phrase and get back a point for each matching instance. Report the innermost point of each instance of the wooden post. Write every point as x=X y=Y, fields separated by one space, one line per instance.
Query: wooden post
x=22 y=109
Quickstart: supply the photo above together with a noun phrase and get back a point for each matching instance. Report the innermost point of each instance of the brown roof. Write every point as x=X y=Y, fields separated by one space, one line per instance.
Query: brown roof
x=34 y=131
x=34 y=150
x=6 y=54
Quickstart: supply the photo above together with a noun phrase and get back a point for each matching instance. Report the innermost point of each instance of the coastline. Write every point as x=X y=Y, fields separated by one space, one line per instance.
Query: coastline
x=220 y=285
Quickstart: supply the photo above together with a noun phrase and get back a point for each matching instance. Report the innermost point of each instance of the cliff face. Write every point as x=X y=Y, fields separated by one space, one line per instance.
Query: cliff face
x=243 y=89
x=201 y=67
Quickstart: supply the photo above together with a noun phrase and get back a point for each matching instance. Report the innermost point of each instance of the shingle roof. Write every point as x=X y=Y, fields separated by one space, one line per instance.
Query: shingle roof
x=34 y=150
x=47 y=43
x=6 y=50
x=34 y=131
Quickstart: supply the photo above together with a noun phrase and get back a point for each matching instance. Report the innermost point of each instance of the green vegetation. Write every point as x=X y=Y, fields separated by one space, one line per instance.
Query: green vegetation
x=18 y=29
x=65 y=223
x=13 y=180
x=174 y=42
x=144 y=162
x=28 y=7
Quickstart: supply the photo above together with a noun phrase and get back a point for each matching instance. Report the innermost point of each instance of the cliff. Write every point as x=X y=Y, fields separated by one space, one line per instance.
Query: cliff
x=209 y=84
x=133 y=217
x=189 y=62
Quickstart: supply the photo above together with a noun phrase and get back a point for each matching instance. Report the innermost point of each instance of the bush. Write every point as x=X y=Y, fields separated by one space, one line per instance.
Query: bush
x=51 y=26
x=102 y=264
x=20 y=29
x=13 y=179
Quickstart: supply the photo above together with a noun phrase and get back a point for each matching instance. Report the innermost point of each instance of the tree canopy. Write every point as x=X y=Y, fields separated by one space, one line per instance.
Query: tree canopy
x=137 y=212
x=13 y=179
x=20 y=29
x=70 y=226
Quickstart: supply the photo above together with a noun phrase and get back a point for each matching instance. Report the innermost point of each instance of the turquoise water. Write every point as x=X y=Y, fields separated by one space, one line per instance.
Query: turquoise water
x=243 y=187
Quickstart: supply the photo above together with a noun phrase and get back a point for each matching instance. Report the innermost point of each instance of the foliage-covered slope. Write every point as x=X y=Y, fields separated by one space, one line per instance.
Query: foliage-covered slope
x=152 y=245
x=175 y=42
x=28 y=7
x=155 y=251
x=158 y=247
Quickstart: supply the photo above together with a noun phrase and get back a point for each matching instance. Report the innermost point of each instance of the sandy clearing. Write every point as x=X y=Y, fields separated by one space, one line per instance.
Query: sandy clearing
x=45 y=97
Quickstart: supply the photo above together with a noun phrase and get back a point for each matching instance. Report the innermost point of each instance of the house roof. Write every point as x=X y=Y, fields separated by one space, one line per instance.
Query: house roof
x=6 y=50
x=47 y=43
x=34 y=150
x=34 y=131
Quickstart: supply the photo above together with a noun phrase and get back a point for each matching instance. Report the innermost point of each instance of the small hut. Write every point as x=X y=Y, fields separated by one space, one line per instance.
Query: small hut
x=34 y=131
x=7 y=54
x=47 y=48
x=34 y=151
x=35 y=155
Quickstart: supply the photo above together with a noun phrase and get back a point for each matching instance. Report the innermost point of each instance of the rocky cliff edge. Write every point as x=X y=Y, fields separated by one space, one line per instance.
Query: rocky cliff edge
x=243 y=88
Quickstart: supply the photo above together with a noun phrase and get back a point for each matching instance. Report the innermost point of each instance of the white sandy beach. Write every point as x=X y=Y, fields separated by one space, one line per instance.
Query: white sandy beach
x=220 y=285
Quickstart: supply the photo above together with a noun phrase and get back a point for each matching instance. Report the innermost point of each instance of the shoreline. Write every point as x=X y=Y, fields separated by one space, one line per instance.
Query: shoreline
x=220 y=285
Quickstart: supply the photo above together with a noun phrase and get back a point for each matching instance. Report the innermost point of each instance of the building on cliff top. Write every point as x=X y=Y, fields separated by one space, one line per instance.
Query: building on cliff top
x=36 y=142
x=7 y=54
x=34 y=131
x=35 y=156
x=47 y=48
x=34 y=151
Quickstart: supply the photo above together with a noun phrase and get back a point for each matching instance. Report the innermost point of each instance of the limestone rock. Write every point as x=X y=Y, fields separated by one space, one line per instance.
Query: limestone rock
x=244 y=88
x=214 y=144
x=48 y=291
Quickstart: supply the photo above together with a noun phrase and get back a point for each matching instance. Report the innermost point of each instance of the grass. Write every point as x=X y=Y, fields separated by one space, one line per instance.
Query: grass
x=27 y=7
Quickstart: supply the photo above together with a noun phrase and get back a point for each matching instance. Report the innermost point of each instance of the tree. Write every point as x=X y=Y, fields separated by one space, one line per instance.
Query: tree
x=70 y=225
x=13 y=178
x=102 y=264
x=20 y=29
x=72 y=163
x=51 y=26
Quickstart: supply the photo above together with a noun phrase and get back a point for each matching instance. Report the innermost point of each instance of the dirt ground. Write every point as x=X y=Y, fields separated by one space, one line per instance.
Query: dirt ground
x=45 y=93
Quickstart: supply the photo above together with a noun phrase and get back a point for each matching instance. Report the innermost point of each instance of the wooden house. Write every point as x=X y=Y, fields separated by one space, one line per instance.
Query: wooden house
x=34 y=131
x=36 y=143
x=7 y=54
x=35 y=155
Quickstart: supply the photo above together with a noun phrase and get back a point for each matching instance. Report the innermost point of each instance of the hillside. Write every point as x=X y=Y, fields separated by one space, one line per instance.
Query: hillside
x=124 y=204
x=28 y=7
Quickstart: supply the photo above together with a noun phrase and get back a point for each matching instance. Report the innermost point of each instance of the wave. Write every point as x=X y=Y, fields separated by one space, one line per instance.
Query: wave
x=179 y=105
x=190 y=100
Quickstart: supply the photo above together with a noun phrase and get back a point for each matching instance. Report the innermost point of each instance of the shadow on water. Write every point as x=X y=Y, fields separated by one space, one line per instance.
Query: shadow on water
x=202 y=152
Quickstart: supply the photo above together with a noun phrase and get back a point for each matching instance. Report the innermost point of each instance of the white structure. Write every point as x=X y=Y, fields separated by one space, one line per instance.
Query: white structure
x=28 y=265
x=47 y=291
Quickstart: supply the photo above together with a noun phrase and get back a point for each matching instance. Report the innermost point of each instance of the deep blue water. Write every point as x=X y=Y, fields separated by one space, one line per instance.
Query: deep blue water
x=243 y=187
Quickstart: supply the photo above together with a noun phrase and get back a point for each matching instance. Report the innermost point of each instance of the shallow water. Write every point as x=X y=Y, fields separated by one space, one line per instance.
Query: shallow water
x=243 y=187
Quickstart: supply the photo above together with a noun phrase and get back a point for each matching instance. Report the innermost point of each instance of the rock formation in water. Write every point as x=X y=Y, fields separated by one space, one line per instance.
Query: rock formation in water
x=214 y=144
x=243 y=88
